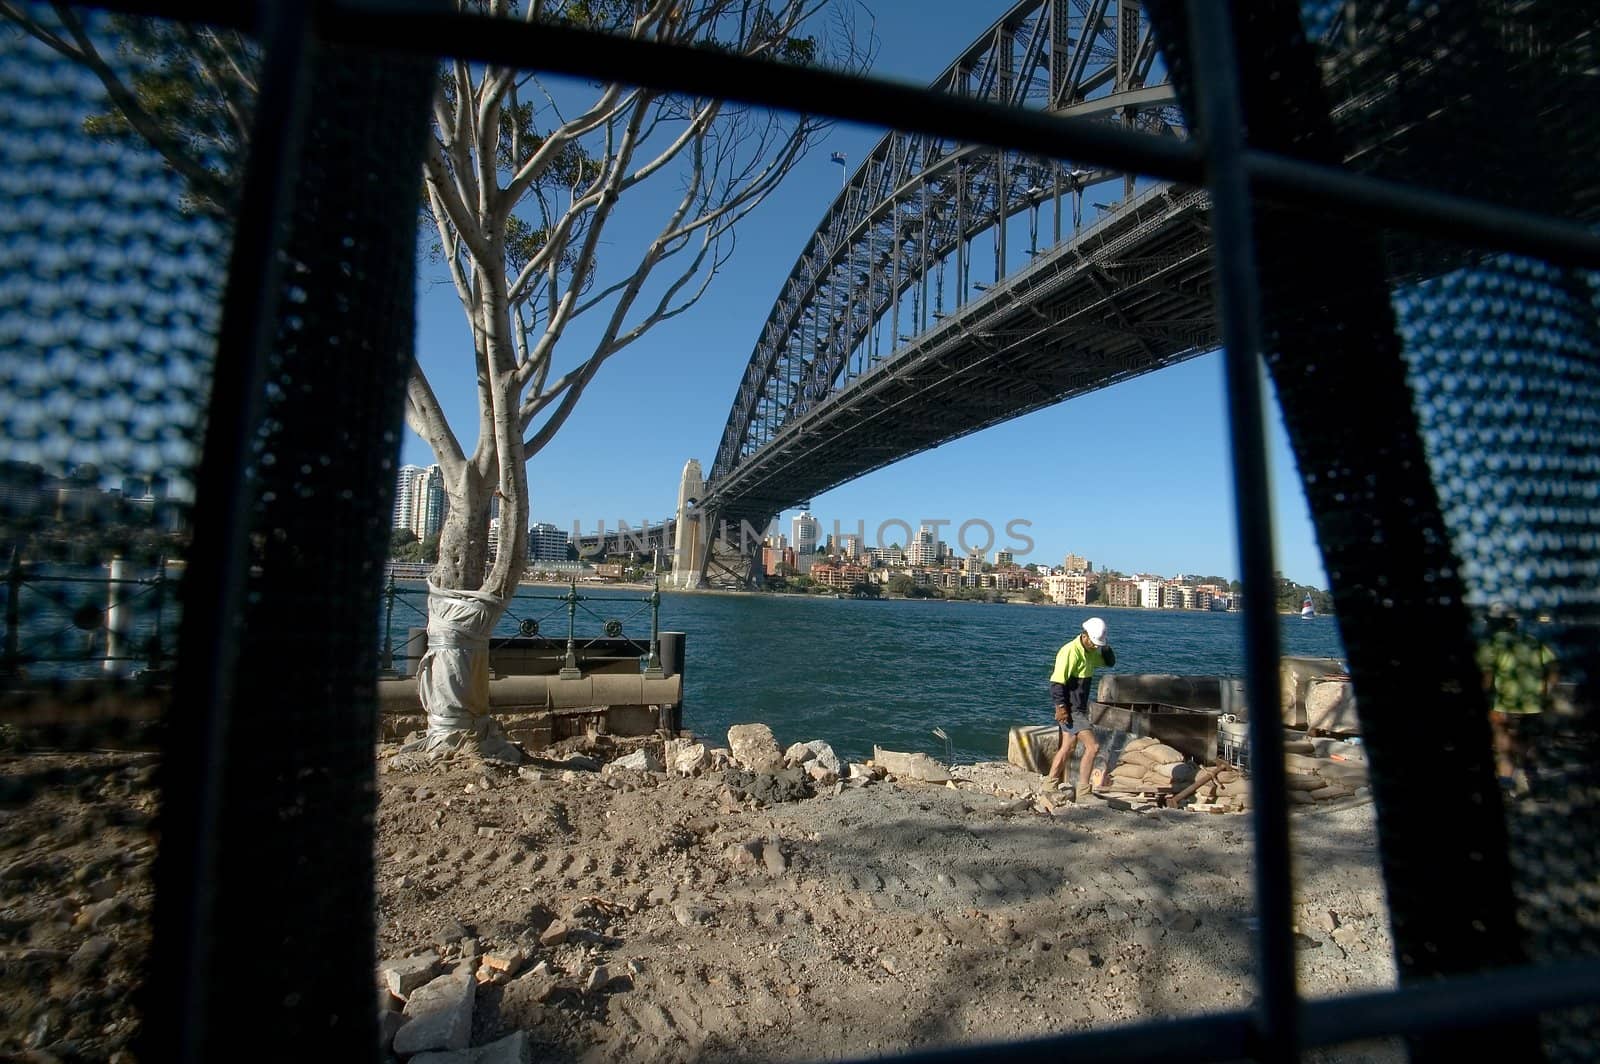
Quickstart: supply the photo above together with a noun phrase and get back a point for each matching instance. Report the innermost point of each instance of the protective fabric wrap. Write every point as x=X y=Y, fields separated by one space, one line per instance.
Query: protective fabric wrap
x=453 y=676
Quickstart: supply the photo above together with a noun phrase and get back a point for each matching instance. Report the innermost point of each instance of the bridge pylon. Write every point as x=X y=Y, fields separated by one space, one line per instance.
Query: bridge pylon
x=692 y=543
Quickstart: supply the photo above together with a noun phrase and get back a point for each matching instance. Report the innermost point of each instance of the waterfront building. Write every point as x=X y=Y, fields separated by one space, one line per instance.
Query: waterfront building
x=778 y=560
x=852 y=548
x=547 y=543
x=973 y=563
x=924 y=548
x=1120 y=593
x=843 y=576
x=1067 y=589
x=1003 y=558
x=1076 y=563
x=805 y=531
x=1149 y=592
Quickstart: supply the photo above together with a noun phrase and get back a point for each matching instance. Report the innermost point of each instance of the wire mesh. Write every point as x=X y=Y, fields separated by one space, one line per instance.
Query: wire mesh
x=1440 y=400
x=110 y=276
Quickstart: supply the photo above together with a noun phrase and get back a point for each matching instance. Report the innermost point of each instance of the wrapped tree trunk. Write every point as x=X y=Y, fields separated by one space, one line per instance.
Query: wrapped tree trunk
x=453 y=676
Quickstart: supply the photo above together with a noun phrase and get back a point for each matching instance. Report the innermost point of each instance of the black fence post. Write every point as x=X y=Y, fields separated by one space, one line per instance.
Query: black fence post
x=13 y=652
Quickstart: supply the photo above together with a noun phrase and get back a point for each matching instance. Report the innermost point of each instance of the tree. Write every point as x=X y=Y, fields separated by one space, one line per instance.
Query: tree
x=524 y=183
x=399 y=540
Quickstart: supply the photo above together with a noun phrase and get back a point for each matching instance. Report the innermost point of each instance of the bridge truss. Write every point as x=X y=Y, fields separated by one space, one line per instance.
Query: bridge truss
x=930 y=263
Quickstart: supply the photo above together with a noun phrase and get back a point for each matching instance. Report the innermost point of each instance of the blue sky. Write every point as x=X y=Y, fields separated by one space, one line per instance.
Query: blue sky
x=1134 y=477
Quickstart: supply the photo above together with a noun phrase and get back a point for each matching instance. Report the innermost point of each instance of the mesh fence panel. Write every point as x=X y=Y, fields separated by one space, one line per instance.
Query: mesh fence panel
x=1503 y=355
x=110 y=275
x=1439 y=400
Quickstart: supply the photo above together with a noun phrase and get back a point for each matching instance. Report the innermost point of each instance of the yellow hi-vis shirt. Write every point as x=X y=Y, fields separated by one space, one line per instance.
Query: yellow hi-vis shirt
x=1073 y=661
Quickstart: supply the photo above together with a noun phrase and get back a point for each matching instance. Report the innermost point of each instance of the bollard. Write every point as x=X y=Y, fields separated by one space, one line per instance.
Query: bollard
x=118 y=617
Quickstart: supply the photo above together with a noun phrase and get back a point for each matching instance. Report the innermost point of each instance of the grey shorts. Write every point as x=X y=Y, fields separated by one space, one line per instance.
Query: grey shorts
x=1075 y=696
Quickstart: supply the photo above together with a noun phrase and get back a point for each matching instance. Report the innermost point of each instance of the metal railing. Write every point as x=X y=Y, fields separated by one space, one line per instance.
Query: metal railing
x=530 y=622
x=122 y=623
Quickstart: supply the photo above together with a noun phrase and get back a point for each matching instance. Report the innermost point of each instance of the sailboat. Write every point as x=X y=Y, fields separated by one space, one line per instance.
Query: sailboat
x=1307 y=610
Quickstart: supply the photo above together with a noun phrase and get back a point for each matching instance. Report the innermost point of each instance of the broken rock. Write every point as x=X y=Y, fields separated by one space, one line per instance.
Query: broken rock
x=691 y=760
x=754 y=747
x=440 y=1015
x=910 y=766
x=645 y=759
x=405 y=975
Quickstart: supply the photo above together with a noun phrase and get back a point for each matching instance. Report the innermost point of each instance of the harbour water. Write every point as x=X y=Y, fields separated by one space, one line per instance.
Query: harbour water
x=852 y=672
x=862 y=672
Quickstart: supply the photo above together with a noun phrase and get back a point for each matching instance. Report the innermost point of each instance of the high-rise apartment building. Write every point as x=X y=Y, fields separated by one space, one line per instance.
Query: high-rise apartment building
x=1003 y=558
x=406 y=491
x=805 y=530
x=431 y=504
x=1076 y=563
x=419 y=500
x=924 y=548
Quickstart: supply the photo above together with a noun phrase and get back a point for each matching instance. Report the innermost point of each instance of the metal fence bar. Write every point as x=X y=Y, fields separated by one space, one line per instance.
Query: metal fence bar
x=393 y=25
x=181 y=976
x=1221 y=132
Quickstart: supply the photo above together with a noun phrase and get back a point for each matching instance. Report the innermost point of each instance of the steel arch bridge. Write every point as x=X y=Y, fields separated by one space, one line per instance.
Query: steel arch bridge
x=950 y=287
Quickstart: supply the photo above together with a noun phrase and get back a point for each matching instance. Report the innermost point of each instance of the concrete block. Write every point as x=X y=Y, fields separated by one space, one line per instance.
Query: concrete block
x=439 y=1014
x=1033 y=748
x=910 y=766
x=406 y=974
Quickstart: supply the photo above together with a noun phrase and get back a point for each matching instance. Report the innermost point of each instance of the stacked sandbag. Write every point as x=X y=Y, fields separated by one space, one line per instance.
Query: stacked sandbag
x=1148 y=765
x=1319 y=771
x=1222 y=789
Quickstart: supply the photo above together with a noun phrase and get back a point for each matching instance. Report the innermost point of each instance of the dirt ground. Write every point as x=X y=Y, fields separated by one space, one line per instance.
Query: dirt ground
x=876 y=920
x=883 y=918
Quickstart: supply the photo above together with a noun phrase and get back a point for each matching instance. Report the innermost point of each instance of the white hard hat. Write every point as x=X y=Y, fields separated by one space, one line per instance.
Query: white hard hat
x=1097 y=631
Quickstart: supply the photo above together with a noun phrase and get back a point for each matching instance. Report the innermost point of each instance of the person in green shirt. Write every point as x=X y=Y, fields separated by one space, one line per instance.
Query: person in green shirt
x=1518 y=675
x=1069 y=691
